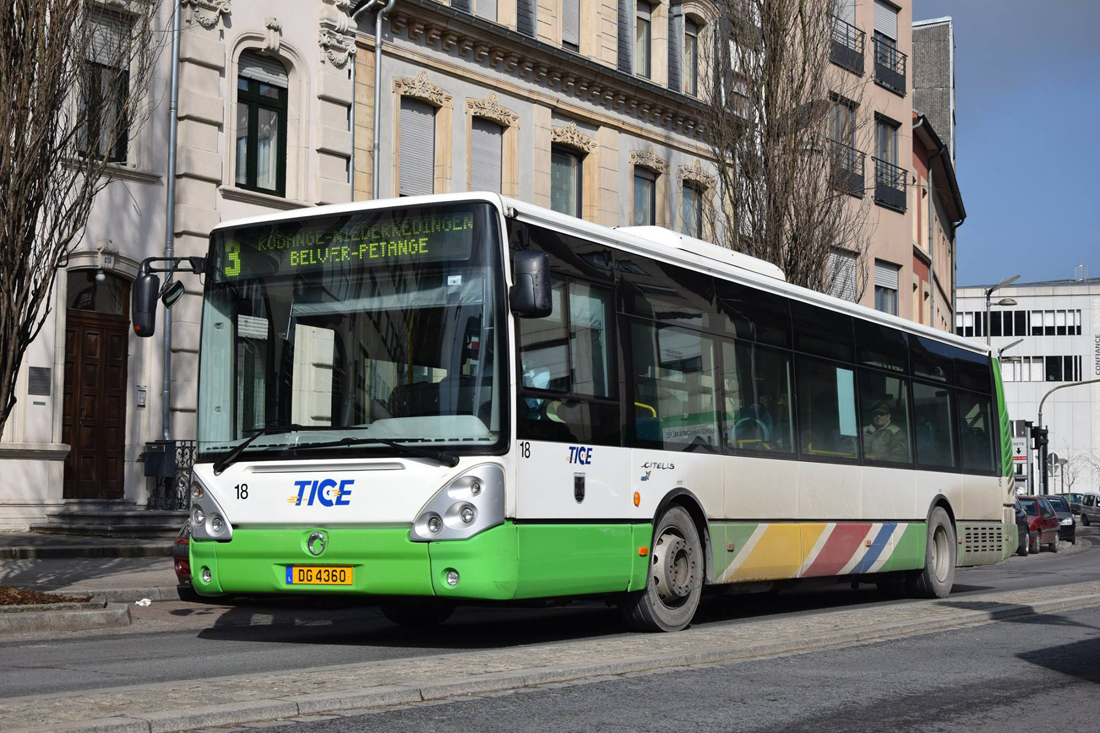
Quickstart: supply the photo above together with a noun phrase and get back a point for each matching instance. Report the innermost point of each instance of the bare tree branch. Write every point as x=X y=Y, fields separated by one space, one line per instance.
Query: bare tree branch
x=783 y=148
x=74 y=77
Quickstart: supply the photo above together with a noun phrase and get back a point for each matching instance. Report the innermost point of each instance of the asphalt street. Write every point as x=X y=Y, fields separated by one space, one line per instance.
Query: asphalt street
x=177 y=641
x=1034 y=673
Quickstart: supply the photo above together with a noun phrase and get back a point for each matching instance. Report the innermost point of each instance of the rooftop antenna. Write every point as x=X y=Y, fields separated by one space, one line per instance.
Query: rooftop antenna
x=1081 y=272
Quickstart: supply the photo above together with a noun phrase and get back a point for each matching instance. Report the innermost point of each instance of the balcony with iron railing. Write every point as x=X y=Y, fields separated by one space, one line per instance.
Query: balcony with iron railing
x=847 y=169
x=847 y=46
x=889 y=65
x=889 y=185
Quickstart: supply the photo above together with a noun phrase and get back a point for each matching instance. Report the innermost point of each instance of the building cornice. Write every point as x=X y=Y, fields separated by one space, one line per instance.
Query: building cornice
x=478 y=40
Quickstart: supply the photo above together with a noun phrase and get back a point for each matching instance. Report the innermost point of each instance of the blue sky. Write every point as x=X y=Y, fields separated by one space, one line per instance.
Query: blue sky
x=1027 y=84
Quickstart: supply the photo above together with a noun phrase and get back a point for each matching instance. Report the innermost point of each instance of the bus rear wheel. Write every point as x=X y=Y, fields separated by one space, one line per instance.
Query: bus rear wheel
x=938 y=575
x=675 y=580
x=417 y=614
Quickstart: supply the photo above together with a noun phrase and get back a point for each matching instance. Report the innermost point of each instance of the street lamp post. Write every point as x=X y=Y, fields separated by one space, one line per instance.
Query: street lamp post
x=1039 y=422
x=988 y=296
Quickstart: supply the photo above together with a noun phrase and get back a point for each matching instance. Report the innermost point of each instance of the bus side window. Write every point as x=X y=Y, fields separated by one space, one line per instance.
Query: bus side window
x=757 y=394
x=827 y=423
x=884 y=406
x=567 y=384
x=674 y=375
x=933 y=425
x=974 y=431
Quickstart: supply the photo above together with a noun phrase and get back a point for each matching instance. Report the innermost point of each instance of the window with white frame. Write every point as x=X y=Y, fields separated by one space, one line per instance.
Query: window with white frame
x=645 y=197
x=691 y=57
x=261 y=124
x=565 y=180
x=691 y=214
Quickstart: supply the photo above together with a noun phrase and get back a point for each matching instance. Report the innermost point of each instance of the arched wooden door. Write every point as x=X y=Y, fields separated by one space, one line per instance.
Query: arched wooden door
x=97 y=332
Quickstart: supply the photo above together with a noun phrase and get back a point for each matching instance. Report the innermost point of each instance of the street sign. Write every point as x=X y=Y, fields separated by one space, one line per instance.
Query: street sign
x=1019 y=450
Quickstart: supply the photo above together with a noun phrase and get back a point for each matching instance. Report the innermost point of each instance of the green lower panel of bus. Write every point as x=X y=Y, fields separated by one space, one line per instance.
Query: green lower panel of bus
x=511 y=561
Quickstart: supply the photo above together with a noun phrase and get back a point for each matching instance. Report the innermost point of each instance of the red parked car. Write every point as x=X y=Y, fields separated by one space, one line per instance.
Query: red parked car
x=1042 y=523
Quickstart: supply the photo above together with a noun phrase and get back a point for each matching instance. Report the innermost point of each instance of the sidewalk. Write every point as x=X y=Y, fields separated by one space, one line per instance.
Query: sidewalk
x=112 y=568
x=299 y=692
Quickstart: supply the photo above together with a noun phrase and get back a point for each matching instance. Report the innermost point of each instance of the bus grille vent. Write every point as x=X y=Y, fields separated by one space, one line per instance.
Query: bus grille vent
x=982 y=540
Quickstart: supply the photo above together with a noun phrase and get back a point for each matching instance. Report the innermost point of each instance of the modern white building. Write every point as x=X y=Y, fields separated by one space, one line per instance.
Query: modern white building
x=1057 y=324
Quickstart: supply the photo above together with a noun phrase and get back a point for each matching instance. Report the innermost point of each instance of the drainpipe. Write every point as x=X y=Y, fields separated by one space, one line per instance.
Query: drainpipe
x=170 y=218
x=382 y=10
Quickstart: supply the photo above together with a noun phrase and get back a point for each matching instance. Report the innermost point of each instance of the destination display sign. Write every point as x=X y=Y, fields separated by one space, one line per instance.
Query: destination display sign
x=345 y=243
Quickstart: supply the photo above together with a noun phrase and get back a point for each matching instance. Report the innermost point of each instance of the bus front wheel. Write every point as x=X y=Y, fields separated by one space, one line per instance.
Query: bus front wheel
x=938 y=575
x=674 y=583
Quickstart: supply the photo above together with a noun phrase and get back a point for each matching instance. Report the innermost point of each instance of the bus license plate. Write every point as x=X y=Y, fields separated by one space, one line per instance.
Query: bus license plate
x=313 y=575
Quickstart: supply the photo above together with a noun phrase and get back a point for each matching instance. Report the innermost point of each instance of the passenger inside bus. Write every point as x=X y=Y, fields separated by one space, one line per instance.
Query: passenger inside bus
x=883 y=439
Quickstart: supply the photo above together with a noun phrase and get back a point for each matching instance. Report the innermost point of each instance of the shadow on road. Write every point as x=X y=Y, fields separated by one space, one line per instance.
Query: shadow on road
x=1075 y=660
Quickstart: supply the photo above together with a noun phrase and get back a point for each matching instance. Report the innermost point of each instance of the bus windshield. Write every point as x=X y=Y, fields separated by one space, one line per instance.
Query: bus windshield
x=377 y=324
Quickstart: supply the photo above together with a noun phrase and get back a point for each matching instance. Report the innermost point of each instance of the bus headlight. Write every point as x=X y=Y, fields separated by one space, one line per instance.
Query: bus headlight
x=208 y=520
x=468 y=505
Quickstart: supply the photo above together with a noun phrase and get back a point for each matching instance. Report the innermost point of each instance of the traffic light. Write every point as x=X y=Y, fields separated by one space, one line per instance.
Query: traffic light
x=1039 y=435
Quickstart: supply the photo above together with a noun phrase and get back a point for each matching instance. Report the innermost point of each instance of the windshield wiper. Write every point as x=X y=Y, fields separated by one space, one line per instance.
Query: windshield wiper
x=439 y=456
x=239 y=448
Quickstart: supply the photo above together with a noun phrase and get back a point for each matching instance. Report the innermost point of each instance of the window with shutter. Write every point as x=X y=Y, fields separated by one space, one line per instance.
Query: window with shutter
x=675 y=42
x=417 y=156
x=571 y=24
x=846 y=11
x=886 y=20
x=625 y=36
x=104 y=131
x=886 y=287
x=486 y=138
x=487 y=9
x=526 y=17
x=842 y=272
x=642 y=39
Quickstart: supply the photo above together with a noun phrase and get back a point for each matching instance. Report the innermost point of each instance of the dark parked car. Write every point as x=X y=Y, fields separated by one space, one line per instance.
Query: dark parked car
x=1042 y=523
x=1074 y=501
x=1022 y=530
x=1067 y=525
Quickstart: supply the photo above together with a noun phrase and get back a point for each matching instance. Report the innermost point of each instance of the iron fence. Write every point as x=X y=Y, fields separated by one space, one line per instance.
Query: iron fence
x=174 y=492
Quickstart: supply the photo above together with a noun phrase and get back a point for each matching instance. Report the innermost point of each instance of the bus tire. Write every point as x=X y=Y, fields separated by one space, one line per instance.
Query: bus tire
x=417 y=614
x=674 y=583
x=938 y=575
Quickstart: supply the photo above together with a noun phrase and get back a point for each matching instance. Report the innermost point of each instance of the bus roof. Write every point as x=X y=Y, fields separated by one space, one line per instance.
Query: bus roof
x=694 y=253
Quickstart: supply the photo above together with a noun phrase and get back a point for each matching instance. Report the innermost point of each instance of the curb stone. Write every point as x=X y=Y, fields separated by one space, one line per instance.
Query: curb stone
x=77 y=617
x=363 y=699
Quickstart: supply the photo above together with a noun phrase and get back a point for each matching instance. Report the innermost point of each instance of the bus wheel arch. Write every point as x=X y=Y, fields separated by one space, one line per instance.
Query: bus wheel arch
x=937 y=576
x=684 y=498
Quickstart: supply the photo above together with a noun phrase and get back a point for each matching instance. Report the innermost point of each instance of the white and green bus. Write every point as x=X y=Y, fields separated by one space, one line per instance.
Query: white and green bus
x=465 y=398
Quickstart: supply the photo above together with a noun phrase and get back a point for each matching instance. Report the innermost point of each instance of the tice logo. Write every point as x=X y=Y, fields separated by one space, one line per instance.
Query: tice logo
x=325 y=492
x=579 y=455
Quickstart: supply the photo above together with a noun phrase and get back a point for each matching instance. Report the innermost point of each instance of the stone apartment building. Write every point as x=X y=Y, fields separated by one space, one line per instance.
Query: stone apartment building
x=589 y=107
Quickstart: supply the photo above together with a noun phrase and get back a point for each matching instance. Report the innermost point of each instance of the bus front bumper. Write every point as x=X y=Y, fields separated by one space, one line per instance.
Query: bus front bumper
x=383 y=562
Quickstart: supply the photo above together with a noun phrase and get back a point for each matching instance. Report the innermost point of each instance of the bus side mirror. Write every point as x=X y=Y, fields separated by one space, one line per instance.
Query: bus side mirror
x=172 y=293
x=143 y=304
x=530 y=296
